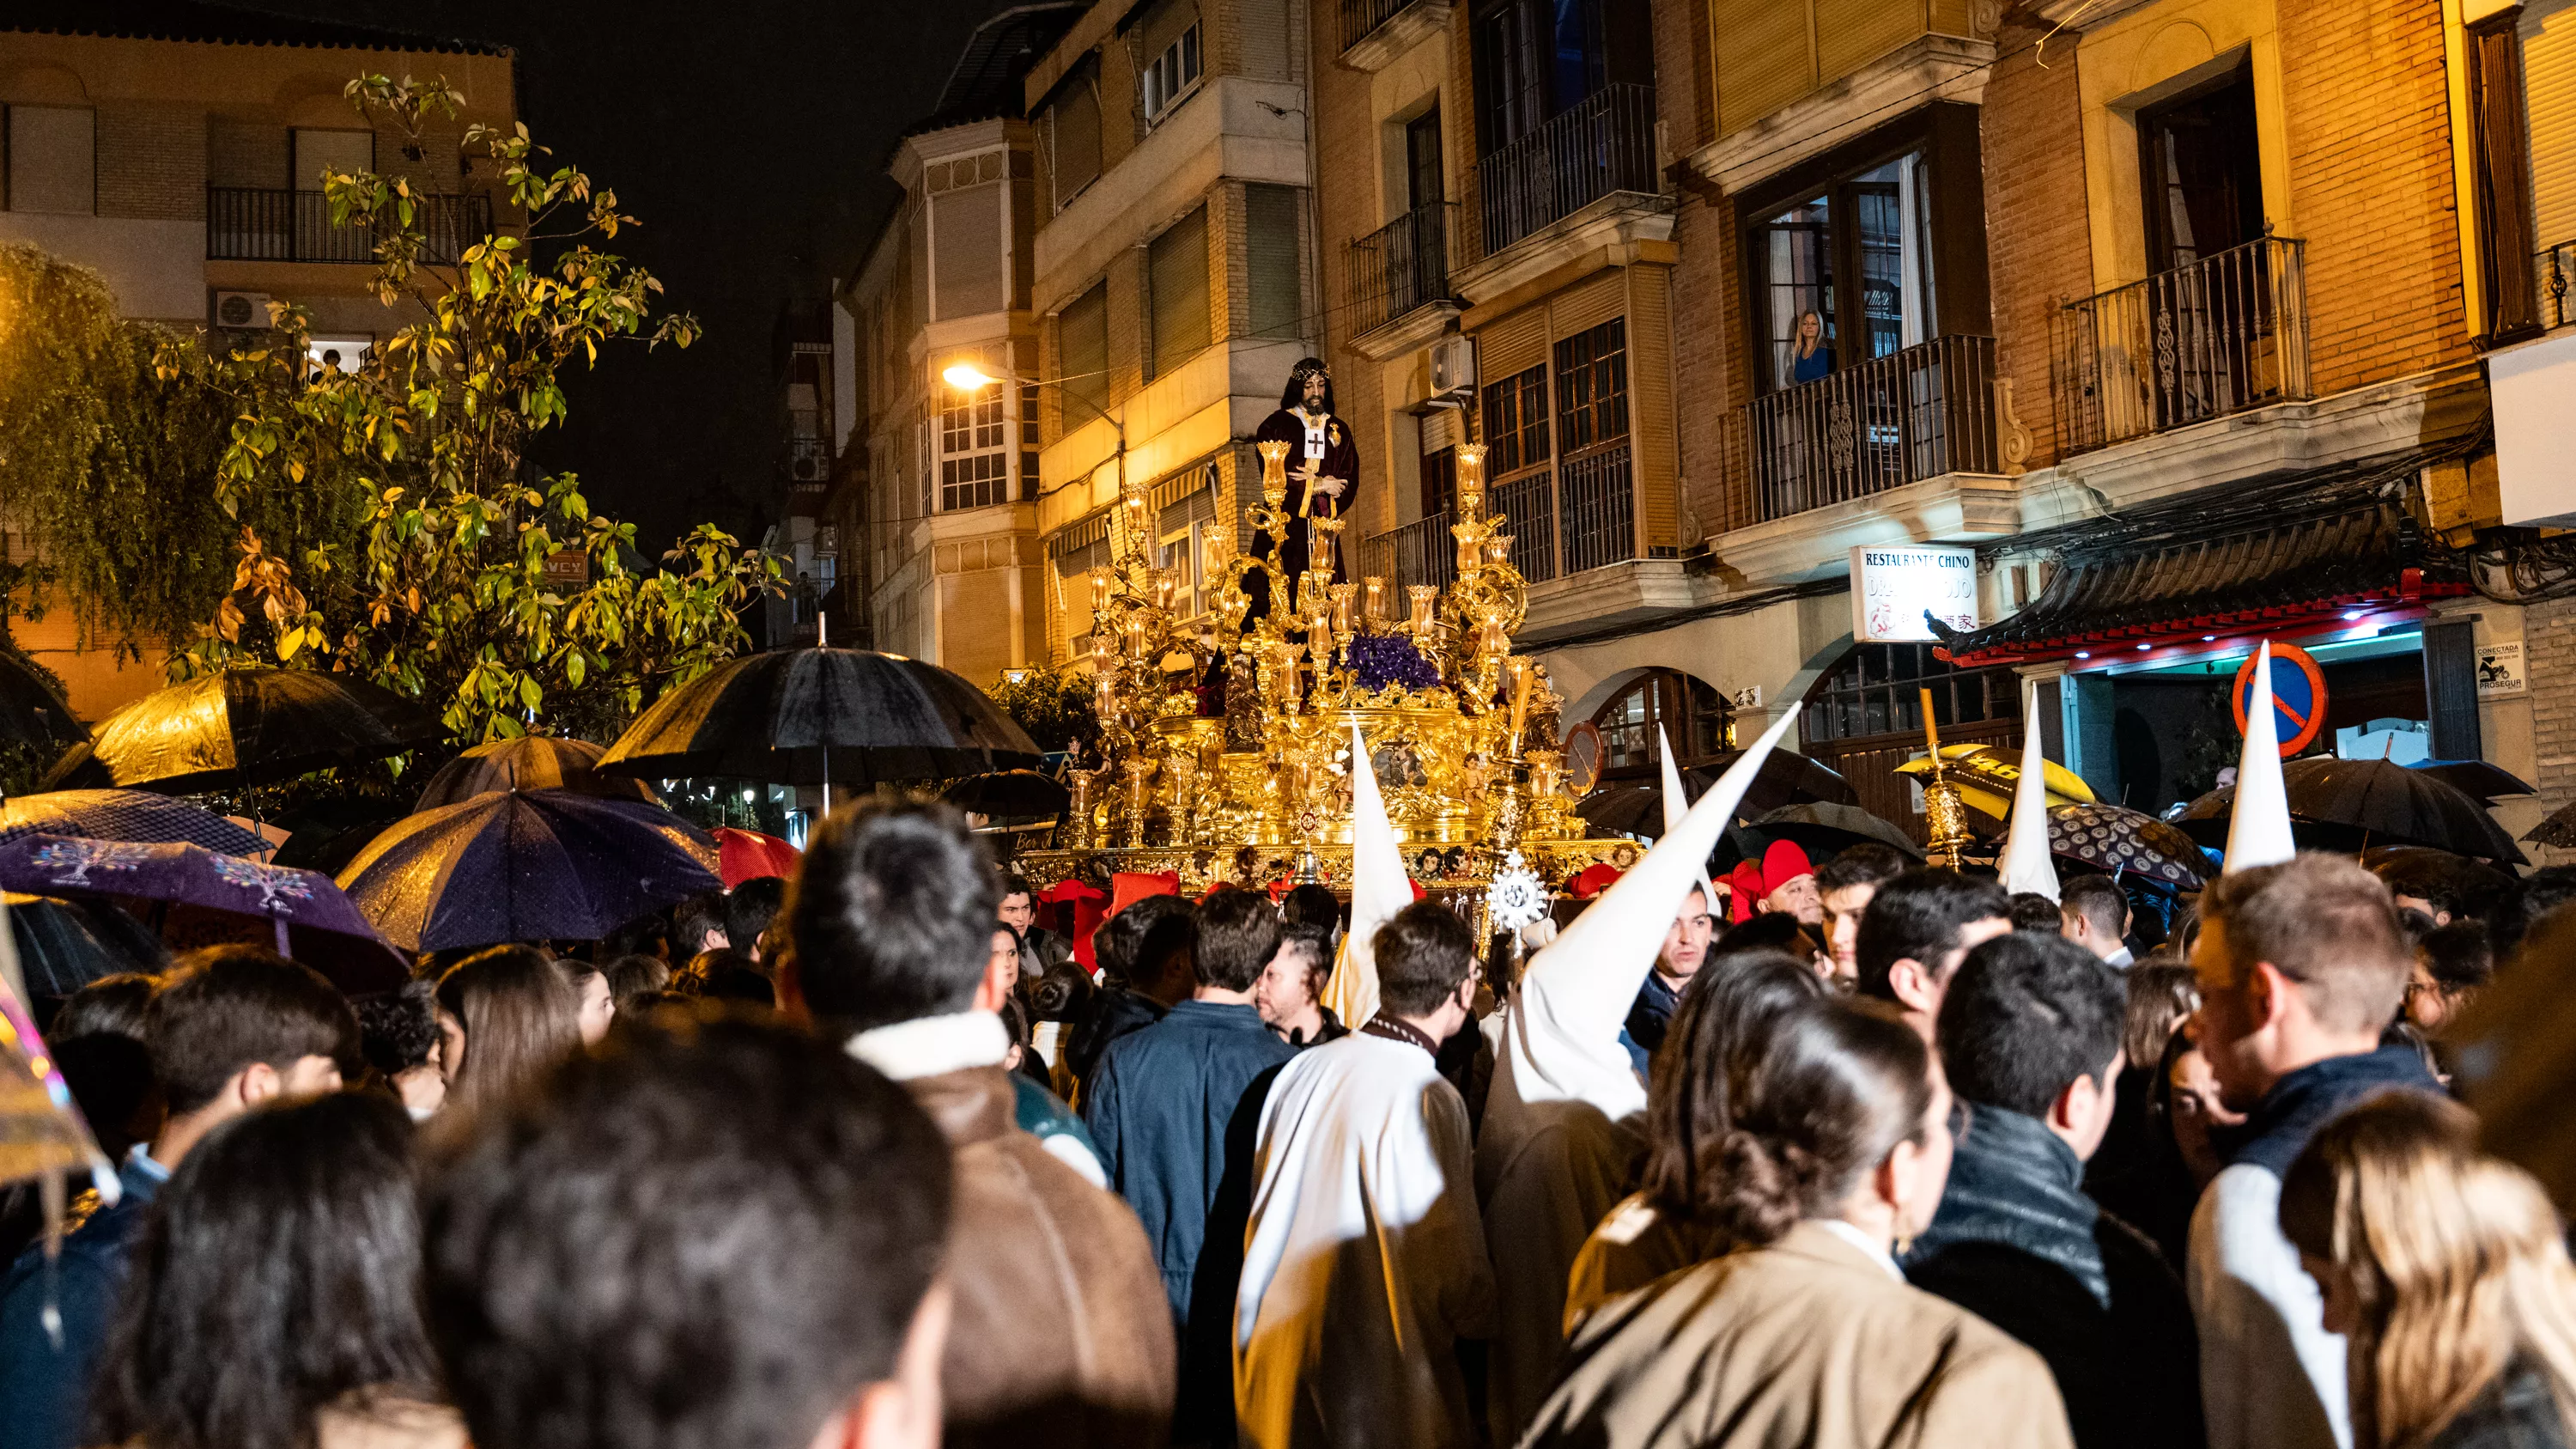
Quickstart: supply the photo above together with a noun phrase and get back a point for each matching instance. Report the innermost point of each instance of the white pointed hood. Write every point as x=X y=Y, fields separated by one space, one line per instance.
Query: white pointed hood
x=2258 y=833
x=1677 y=805
x=1561 y=1042
x=2026 y=864
x=1379 y=889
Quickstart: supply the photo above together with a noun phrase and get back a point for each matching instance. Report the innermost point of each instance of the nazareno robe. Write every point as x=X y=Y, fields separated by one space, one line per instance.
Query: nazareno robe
x=1340 y=459
x=1364 y=1263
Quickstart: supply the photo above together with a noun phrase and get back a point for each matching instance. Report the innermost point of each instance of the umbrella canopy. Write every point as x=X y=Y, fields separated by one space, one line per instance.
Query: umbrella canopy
x=64 y=944
x=1823 y=829
x=2558 y=831
x=2338 y=804
x=748 y=855
x=2487 y=782
x=32 y=715
x=246 y=727
x=135 y=815
x=40 y=1131
x=323 y=835
x=2125 y=842
x=2410 y=870
x=1011 y=796
x=849 y=717
x=526 y=865
x=1636 y=807
x=210 y=897
x=530 y=762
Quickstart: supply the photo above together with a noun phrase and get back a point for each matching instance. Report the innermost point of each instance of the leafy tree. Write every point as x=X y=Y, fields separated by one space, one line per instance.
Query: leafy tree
x=1054 y=705
x=448 y=586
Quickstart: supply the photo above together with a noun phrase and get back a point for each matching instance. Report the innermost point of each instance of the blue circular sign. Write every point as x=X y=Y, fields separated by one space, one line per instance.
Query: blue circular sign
x=2298 y=697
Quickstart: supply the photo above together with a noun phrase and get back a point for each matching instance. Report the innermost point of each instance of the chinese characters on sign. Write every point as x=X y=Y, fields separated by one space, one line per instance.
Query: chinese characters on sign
x=1894 y=586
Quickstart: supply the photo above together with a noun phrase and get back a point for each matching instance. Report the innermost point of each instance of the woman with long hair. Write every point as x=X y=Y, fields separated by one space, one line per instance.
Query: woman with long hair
x=2446 y=1272
x=594 y=999
x=1727 y=1008
x=504 y=1015
x=275 y=1298
x=1835 y=1151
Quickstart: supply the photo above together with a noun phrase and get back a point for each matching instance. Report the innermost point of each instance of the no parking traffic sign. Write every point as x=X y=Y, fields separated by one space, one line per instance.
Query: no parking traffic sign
x=2298 y=696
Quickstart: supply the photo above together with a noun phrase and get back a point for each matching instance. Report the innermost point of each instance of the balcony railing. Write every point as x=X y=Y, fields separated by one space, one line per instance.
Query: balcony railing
x=1581 y=516
x=264 y=224
x=1400 y=266
x=2222 y=335
x=1876 y=425
x=1420 y=552
x=1602 y=144
x=1361 y=18
x=2552 y=279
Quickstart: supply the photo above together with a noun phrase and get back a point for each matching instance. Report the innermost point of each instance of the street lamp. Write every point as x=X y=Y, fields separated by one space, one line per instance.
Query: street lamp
x=970 y=377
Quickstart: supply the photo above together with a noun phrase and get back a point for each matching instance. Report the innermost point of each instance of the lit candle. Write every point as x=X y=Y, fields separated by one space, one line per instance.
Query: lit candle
x=1373 y=599
x=1424 y=597
x=1289 y=678
x=1136 y=637
x=1342 y=608
x=1099 y=590
x=1274 y=473
x=1471 y=479
x=1167 y=587
x=1100 y=646
x=1498 y=549
x=1519 y=669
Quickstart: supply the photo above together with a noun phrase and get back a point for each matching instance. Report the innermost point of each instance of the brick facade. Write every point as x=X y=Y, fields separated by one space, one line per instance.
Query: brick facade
x=2549 y=661
x=2038 y=249
x=151 y=162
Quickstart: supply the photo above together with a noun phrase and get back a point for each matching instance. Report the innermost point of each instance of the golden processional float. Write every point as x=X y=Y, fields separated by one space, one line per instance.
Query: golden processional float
x=1227 y=748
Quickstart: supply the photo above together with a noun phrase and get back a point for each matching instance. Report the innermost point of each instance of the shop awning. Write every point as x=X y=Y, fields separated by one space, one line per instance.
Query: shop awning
x=2279 y=578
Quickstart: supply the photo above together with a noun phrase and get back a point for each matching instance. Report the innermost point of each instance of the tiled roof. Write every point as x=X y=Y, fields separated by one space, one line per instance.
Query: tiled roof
x=202 y=20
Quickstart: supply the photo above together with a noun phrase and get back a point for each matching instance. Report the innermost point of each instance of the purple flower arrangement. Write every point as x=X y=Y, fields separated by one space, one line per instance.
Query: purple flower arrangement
x=1380 y=660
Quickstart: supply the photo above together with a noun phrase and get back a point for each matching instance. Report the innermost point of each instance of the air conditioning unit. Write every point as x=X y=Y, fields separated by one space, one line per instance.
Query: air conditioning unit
x=1453 y=371
x=242 y=310
x=807 y=468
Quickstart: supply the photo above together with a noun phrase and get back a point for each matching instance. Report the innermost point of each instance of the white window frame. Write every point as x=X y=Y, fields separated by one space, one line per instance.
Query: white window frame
x=1171 y=77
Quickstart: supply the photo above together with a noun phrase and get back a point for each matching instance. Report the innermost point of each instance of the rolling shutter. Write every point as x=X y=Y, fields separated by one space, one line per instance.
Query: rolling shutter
x=1176 y=277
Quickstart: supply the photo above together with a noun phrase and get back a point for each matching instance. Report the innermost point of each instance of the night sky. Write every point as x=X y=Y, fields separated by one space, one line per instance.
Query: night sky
x=750 y=138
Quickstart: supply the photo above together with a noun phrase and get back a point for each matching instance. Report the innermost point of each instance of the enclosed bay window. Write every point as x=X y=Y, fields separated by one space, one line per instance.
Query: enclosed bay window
x=1168 y=49
x=974 y=453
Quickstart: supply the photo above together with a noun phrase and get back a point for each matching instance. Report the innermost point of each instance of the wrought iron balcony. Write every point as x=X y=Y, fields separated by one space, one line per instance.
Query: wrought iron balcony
x=2552 y=279
x=1602 y=144
x=1400 y=266
x=1582 y=515
x=2223 y=335
x=1363 y=18
x=1876 y=425
x=1420 y=552
x=273 y=224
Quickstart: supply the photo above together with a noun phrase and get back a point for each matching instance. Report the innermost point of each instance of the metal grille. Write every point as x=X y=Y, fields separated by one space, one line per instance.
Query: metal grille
x=1529 y=505
x=1420 y=552
x=2225 y=334
x=262 y=224
x=1602 y=144
x=2553 y=278
x=1400 y=266
x=1361 y=18
x=1596 y=510
x=1876 y=425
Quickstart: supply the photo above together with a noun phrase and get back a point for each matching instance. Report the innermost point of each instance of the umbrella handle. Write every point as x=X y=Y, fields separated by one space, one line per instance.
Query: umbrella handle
x=279 y=922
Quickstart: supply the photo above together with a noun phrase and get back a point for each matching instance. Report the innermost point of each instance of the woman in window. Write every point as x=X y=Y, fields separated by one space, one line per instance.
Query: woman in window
x=1809 y=356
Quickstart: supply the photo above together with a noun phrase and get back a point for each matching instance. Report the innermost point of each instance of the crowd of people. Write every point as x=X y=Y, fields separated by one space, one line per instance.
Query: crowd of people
x=1842 y=1153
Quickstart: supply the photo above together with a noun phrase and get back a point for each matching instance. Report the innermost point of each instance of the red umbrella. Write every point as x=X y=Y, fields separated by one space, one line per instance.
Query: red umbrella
x=748 y=855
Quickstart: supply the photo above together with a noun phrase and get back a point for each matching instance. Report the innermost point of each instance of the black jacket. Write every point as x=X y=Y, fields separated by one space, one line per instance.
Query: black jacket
x=2018 y=1243
x=2280 y=1125
x=2517 y=1411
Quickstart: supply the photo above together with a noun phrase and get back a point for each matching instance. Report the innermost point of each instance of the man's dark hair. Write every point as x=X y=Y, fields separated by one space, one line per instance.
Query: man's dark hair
x=112 y=1005
x=1769 y=931
x=646 y=935
x=1313 y=905
x=1917 y=917
x=2099 y=900
x=2036 y=913
x=1016 y=884
x=1063 y=994
x=2542 y=891
x=2024 y=1017
x=1313 y=945
x=692 y=919
x=397 y=1030
x=2457 y=956
x=1422 y=956
x=280 y=1273
x=1237 y=934
x=892 y=916
x=751 y=906
x=632 y=976
x=226 y=1007
x=707 y=1232
x=1867 y=863
x=1134 y=946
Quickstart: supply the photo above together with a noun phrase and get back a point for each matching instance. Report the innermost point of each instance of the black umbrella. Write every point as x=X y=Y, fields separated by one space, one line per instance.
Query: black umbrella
x=64 y=945
x=2475 y=777
x=131 y=815
x=530 y=762
x=821 y=716
x=1626 y=808
x=526 y=865
x=2415 y=870
x=1011 y=796
x=32 y=715
x=2351 y=805
x=325 y=835
x=2124 y=842
x=1824 y=829
x=2558 y=831
x=1636 y=807
x=246 y=726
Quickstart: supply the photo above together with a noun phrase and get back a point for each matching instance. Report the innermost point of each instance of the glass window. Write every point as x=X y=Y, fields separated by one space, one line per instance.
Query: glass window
x=1592 y=387
x=1662 y=703
x=1515 y=421
x=1878 y=690
x=974 y=462
x=1856 y=255
x=1170 y=75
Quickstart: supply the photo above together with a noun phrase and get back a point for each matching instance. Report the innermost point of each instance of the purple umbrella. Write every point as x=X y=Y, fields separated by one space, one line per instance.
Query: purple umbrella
x=211 y=896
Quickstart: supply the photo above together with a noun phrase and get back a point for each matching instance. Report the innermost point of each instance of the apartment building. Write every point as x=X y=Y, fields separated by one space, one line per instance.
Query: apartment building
x=932 y=500
x=1175 y=274
x=806 y=539
x=177 y=150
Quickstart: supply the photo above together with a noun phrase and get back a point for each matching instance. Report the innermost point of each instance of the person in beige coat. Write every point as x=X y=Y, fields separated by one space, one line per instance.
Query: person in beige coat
x=1806 y=1334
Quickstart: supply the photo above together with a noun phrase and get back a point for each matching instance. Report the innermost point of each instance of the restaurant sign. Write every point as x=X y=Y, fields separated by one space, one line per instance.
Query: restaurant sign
x=1894 y=586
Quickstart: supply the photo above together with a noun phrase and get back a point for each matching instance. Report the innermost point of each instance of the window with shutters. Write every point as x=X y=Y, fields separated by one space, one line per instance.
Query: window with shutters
x=1439 y=481
x=1592 y=387
x=974 y=456
x=1176 y=283
x=1171 y=75
x=1073 y=135
x=53 y=159
x=966 y=251
x=1082 y=341
x=1270 y=217
x=1515 y=423
x=2548 y=34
